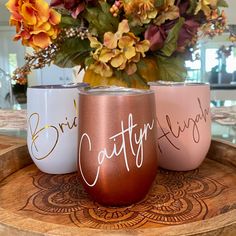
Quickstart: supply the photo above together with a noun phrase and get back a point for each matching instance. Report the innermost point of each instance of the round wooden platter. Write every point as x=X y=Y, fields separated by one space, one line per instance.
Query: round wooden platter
x=199 y=202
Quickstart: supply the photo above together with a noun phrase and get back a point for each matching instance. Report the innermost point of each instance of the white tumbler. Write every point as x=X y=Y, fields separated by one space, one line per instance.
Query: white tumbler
x=52 y=127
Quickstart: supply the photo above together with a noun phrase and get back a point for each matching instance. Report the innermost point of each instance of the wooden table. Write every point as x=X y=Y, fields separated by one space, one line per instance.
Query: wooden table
x=199 y=202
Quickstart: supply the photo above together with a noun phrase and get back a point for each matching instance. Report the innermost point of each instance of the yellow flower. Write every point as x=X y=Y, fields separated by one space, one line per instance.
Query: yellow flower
x=94 y=43
x=120 y=50
x=36 y=23
x=126 y=44
x=142 y=11
x=111 y=40
x=167 y=12
x=119 y=61
x=142 y=47
x=106 y=54
x=206 y=6
x=232 y=38
x=147 y=11
x=101 y=68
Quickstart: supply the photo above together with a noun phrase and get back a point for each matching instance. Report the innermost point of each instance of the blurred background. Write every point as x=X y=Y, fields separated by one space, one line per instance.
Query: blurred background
x=214 y=61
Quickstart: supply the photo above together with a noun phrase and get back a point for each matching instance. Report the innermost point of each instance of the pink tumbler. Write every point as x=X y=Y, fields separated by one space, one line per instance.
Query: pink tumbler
x=183 y=124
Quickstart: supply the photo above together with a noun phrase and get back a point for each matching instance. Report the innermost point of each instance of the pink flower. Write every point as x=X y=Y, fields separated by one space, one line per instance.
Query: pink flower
x=156 y=36
x=188 y=32
x=183 y=7
x=74 y=6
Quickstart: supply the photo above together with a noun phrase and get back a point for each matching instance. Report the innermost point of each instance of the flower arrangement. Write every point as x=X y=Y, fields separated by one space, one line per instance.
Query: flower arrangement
x=124 y=42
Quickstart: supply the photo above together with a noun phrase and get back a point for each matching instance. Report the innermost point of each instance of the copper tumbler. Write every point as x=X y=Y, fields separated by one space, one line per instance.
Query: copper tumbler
x=117 y=154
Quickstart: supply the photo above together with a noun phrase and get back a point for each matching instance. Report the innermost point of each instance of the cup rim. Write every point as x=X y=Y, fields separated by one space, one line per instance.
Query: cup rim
x=173 y=84
x=113 y=91
x=59 y=86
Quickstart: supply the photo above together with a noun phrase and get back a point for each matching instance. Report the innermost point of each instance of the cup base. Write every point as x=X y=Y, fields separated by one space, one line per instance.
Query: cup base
x=57 y=172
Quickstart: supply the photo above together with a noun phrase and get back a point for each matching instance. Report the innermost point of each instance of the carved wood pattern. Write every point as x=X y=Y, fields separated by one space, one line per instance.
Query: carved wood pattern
x=175 y=198
x=58 y=203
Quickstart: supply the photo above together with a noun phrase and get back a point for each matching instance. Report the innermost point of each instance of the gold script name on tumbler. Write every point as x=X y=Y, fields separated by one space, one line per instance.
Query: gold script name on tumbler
x=134 y=138
x=37 y=132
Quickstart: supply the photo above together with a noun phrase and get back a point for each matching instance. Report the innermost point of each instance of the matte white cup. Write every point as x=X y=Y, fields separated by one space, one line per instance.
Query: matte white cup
x=52 y=127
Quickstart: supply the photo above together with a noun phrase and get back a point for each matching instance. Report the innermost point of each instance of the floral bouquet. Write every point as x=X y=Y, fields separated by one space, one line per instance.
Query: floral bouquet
x=121 y=42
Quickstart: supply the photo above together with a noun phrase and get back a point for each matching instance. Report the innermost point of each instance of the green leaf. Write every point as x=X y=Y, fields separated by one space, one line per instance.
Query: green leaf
x=68 y=21
x=122 y=75
x=159 y=3
x=171 y=40
x=137 y=30
x=141 y=64
x=171 y=68
x=100 y=19
x=88 y=61
x=192 y=7
x=73 y=52
x=222 y=3
x=139 y=79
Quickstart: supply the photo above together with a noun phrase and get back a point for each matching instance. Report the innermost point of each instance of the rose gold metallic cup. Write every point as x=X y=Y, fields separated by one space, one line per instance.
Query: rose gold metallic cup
x=117 y=159
x=183 y=124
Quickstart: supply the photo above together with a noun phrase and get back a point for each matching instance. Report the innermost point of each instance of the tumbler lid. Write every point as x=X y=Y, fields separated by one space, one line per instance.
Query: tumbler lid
x=60 y=86
x=113 y=91
x=172 y=83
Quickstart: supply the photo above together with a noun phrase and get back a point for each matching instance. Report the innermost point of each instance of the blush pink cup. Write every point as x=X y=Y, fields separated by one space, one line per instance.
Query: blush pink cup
x=183 y=124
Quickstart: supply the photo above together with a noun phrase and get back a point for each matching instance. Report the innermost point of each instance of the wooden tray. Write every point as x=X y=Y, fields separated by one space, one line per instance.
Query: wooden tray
x=199 y=202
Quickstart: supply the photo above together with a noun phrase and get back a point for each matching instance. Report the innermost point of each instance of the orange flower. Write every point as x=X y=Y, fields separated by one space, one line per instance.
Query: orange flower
x=205 y=6
x=36 y=23
x=140 y=11
x=168 y=11
x=22 y=80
